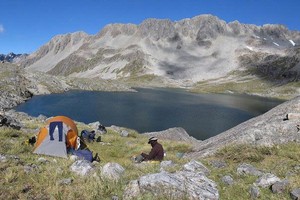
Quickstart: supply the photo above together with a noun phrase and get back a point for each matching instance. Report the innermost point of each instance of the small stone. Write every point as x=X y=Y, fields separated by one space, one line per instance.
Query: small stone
x=30 y=168
x=3 y=158
x=218 y=163
x=267 y=180
x=114 y=197
x=42 y=160
x=295 y=194
x=254 y=192
x=248 y=169
x=26 y=188
x=66 y=181
x=297 y=167
x=280 y=186
x=124 y=133
x=228 y=180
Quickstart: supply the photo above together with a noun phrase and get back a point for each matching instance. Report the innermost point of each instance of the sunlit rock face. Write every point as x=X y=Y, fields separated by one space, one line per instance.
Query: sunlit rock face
x=196 y=49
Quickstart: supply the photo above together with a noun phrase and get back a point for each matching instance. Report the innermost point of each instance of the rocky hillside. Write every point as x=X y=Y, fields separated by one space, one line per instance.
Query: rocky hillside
x=18 y=85
x=269 y=129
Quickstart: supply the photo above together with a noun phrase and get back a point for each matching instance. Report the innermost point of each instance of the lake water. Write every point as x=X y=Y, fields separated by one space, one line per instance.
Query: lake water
x=201 y=115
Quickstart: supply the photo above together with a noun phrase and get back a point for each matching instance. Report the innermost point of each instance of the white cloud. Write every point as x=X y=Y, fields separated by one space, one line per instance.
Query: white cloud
x=1 y=28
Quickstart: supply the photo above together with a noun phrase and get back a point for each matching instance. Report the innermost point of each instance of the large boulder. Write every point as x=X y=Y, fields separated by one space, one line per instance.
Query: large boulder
x=175 y=134
x=190 y=183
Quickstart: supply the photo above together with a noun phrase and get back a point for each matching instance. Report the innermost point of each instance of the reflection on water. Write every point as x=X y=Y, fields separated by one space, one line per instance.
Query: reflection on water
x=201 y=115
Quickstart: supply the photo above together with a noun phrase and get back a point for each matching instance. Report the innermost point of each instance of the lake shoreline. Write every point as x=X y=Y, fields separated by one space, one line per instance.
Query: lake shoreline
x=165 y=98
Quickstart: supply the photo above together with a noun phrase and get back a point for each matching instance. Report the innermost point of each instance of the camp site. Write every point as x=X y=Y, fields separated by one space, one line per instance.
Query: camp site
x=149 y=100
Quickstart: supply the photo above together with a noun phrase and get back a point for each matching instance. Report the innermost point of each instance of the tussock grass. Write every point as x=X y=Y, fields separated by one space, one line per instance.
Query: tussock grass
x=43 y=181
x=279 y=160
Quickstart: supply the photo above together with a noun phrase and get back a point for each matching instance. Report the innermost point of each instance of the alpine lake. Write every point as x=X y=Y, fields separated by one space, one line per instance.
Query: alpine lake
x=147 y=110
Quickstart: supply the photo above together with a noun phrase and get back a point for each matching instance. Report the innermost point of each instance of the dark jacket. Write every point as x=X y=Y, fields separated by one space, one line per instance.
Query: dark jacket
x=156 y=153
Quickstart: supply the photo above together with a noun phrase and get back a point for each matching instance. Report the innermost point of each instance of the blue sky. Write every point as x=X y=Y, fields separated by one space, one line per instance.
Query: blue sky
x=25 y=25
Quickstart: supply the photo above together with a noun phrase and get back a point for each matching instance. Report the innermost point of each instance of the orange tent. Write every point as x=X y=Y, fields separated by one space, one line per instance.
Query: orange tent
x=59 y=134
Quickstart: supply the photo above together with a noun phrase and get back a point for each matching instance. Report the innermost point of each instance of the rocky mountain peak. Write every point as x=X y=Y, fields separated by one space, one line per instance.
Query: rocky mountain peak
x=193 y=49
x=117 y=29
x=156 y=28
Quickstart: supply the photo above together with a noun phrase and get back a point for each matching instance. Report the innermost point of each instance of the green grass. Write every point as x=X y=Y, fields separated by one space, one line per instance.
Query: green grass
x=43 y=182
x=279 y=160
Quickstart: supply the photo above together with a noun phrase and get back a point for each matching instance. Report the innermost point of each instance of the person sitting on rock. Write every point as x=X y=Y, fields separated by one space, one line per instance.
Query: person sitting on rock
x=156 y=153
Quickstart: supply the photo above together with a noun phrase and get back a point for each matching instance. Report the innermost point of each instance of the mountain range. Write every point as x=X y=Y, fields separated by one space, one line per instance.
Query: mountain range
x=12 y=57
x=185 y=52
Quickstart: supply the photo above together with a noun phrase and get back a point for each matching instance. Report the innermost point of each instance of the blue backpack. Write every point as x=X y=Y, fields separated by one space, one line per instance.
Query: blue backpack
x=87 y=135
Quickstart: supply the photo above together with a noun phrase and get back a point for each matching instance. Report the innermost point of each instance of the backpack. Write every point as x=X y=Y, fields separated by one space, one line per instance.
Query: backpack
x=88 y=136
x=84 y=154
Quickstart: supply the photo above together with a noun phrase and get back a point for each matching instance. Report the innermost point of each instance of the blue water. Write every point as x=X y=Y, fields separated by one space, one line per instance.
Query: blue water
x=201 y=115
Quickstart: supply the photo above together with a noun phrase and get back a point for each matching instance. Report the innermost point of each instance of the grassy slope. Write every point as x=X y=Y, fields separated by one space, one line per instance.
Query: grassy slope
x=43 y=184
x=244 y=82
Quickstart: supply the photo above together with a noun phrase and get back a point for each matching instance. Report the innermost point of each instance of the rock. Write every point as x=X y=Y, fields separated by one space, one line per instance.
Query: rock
x=73 y=157
x=112 y=171
x=297 y=168
x=10 y=122
x=292 y=116
x=166 y=164
x=26 y=188
x=95 y=125
x=132 y=190
x=59 y=170
x=228 y=180
x=42 y=160
x=3 y=158
x=179 y=185
x=280 y=186
x=266 y=180
x=248 y=169
x=114 y=197
x=31 y=168
x=124 y=133
x=66 y=181
x=218 y=163
x=254 y=192
x=295 y=194
x=179 y=154
x=41 y=118
x=175 y=134
x=81 y=167
x=195 y=166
